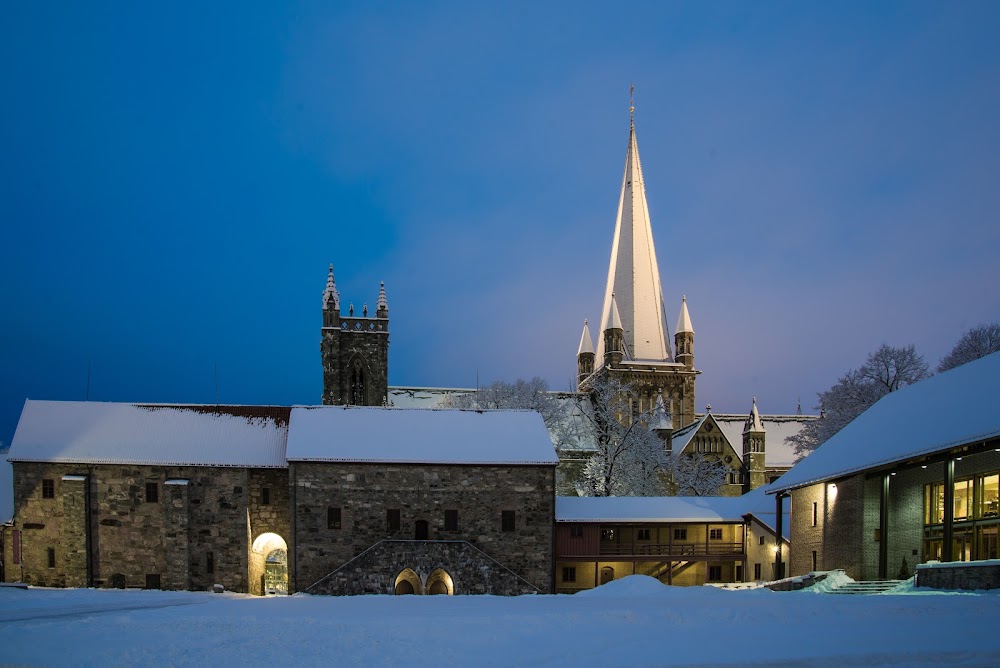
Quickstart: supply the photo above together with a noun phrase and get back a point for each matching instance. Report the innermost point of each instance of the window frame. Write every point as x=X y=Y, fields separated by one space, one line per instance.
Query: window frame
x=48 y=488
x=569 y=574
x=152 y=492
x=334 y=518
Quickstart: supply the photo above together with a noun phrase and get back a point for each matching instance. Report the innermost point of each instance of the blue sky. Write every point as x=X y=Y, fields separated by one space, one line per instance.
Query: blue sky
x=174 y=181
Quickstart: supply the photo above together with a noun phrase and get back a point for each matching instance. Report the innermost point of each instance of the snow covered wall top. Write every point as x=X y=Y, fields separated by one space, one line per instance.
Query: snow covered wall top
x=903 y=424
x=650 y=508
x=90 y=432
x=404 y=436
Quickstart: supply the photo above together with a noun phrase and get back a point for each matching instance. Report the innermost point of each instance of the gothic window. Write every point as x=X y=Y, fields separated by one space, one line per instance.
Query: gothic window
x=358 y=393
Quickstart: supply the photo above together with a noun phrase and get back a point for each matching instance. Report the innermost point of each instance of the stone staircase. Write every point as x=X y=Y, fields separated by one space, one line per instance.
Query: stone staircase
x=866 y=587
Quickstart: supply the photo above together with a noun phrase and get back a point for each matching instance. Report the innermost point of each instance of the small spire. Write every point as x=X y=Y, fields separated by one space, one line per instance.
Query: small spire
x=364 y=310
x=586 y=342
x=614 y=319
x=383 y=303
x=631 y=105
x=798 y=409
x=331 y=298
x=708 y=408
x=753 y=423
x=684 y=319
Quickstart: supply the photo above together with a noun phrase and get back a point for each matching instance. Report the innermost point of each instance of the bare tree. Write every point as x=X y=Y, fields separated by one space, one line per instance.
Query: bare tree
x=695 y=474
x=527 y=394
x=884 y=371
x=979 y=341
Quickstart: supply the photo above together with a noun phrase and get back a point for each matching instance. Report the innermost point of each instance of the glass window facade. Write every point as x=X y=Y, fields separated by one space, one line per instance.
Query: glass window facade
x=974 y=534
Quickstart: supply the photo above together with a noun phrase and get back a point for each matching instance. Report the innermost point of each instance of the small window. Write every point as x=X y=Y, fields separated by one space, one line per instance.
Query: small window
x=48 y=489
x=569 y=574
x=210 y=562
x=152 y=492
x=715 y=534
x=715 y=573
x=607 y=535
x=814 y=560
x=265 y=496
x=756 y=571
x=333 y=518
x=451 y=520
x=642 y=534
x=575 y=531
x=815 y=512
x=152 y=581
x=392 y=520
x=760 y=540
x=507 y=520
x=680 y=534
x=52 y=557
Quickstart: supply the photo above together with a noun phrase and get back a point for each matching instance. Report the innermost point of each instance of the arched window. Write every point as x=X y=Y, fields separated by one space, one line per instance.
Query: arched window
x=358 y=392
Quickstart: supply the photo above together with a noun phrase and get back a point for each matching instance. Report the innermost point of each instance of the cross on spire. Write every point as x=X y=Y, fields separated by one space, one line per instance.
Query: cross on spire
x=631 y=104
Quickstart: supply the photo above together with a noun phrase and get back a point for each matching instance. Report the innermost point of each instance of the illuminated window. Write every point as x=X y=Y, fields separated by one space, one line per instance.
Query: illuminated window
x=569 y=574
x=607 y=535
x=48 y=489
x=152 y=492
x=52 y=557
x=333 y=518
x=392 y=519
x=642 y=534
x=715 y=534
x=680 y=534
x=989 y=495
x=507 y=520
x=963 y=499
x=451 y=520
x=575 y=531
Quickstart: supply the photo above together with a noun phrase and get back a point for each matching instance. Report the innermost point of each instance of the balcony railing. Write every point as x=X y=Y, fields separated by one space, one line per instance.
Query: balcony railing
x=672 y=549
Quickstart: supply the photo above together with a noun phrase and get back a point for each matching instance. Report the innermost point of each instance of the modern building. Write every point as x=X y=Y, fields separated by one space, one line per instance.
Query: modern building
x=897 y=486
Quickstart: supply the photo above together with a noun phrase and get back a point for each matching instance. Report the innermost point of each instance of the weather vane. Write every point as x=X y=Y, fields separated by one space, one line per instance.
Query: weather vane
x=631 y=103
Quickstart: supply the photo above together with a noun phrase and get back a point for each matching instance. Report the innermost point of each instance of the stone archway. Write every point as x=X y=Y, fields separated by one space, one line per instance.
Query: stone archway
x=407 y=582
x=440 y=582
x=269 y=565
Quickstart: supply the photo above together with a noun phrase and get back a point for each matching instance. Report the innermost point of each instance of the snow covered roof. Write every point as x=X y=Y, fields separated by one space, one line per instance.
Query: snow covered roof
x=633 y=274
x=90 y=432
x=778 y=452
x=683 y=436
x=650 y=509
x=967 y=398
x=393 y=435
x=423 y=397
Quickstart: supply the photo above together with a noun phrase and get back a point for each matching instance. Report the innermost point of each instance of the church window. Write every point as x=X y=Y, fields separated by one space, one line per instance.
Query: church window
x=680 y=534
x=333 y=518
x=451 y=520
x=358 y=392
x=265 y=496
x=569 y=574
x=392 y=519
x=735 y=477
x=52 y=557
x=507 y=520
x=576 y=531
x=152 y=492
x=715 y=534
x=48 y=489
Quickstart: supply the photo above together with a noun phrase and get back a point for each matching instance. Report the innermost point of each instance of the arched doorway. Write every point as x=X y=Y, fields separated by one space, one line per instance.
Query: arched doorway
x=269 y=565
x=607 y=574
x=421 y=531
x=439 y=582
x=407 y=582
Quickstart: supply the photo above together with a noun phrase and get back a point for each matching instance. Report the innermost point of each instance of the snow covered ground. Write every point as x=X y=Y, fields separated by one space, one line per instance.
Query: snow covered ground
x=632 y=622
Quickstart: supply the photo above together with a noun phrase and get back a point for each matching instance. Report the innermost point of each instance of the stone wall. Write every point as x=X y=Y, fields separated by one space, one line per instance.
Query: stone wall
x=363 y=493
x=960 y=575
x=364 y=339
x=376 y=570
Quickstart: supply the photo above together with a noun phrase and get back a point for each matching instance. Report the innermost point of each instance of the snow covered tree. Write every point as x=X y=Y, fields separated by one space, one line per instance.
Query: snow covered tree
x=886 y=370
x=695 y=474
x=630 y=459
x=527 y=394
x=978 y=342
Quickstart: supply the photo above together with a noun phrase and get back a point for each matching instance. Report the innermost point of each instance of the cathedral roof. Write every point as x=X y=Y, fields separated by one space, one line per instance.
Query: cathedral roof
x=633 y=275
x=413 y=436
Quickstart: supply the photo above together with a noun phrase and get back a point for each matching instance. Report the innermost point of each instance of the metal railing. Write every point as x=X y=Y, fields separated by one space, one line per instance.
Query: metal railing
x=672 y=549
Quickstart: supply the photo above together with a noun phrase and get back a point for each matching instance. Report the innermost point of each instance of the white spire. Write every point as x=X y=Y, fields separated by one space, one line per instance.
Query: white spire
x=634 y=276
x=383 y=303
x=586 y=343
x=684 y=320
x=612 y=318
x=753 y=423
x=331 y=292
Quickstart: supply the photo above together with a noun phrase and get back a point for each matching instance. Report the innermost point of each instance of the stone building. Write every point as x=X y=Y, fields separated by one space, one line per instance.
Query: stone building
x=894 y=488
x=275 y=499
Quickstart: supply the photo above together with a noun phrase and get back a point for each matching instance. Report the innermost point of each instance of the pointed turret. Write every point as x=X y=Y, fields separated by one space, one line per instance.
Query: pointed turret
x=684 y=338
x=585 y=355
x=634 y=275
x=754 y=437
x=331 y=301
x=612 y=340
x=382 y=307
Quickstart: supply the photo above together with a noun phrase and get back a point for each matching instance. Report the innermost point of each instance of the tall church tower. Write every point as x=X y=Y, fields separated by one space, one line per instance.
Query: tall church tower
x=753 y=450
x=633 y=343
x=354 y=351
